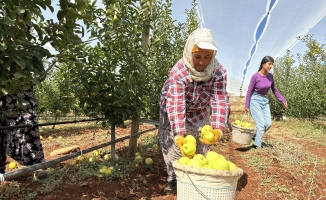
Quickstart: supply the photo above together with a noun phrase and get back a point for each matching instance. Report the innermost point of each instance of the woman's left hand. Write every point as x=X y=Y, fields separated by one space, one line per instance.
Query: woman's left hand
x=285 y=104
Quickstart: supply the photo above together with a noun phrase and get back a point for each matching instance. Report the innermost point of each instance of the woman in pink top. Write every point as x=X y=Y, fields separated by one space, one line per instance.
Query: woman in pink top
x=257 y=102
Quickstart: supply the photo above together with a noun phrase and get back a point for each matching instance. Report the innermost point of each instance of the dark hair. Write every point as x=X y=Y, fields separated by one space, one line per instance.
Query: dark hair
x=265 y=60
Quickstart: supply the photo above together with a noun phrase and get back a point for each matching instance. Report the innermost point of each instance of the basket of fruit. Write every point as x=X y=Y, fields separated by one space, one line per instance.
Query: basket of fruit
x=243 y=132
x=206 y=177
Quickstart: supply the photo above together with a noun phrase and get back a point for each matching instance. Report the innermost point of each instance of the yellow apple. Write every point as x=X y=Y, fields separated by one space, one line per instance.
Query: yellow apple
x=220 y=164
x=81 y=158
x=148 y=161
x=60 y=137
x=138 y=159
x=41 y=137
x=208 y=166
x=50 y=137
x=201 y=158
x=13 y=165
x=211 y=155
x=189 y=148
x=91 y=159
x=194 y=163
x=108 y=171
x=237 y=122
x=106 y=157
x=190 y=138
x=74 y=162
x=208 y=136
x=137 y=154
x=183 y=160
x=95 y=153
x=103 y=169
x=232 y=166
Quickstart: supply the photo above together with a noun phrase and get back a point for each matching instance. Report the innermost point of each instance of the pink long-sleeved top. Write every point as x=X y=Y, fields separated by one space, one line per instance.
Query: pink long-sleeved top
x=186 y=100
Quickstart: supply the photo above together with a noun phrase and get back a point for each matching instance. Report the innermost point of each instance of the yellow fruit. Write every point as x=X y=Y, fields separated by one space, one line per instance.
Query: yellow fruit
x=220 y=164
x=208 y=136
x=106 y=157
x=201 y=158
x=189 y=148
x=41 y=137
x=208 y=166
x=232 y=165
x=184 y=160
x=108 y=171
x=81 y=158
x=95 y=153
x=190 y=138
x=74 y=162
x=103 y=169
x=194 y=163
x=211 y=155
x=138 y=159
x=237 y=122
x=13 y=165
x=148 y=161
x=60 y=137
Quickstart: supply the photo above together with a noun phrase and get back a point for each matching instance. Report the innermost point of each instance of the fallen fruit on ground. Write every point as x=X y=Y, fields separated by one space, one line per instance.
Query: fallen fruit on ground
x=148 y=161
x=13 y=165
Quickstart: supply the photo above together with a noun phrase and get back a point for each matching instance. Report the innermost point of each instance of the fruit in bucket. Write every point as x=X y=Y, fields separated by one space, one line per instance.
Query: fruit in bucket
x=211 y=155
x=237 y=122
x=184 y=160
x=221 y=164
x=194 y=162
x=200 y=158
x=232 y=165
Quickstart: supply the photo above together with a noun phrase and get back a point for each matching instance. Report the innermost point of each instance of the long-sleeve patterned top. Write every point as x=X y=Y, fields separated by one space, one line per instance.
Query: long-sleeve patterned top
x=186 y=100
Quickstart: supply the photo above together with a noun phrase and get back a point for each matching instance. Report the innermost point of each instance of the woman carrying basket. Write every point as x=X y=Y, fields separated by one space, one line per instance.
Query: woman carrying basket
x=257 y=102
x=197 y=85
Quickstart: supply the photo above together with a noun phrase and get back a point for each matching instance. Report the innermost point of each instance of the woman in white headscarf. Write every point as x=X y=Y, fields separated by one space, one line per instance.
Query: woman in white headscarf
x=193 y=96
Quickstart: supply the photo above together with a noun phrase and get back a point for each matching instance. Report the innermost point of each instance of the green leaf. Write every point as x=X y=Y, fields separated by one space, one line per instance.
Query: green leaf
x=18 y=75
x=27 y=86
x=3 y=79
x=8 y=21
x=20 y=10
x=39 y=31
x=20 y=62
x=63 y=4
x=81 y=4
x=61 y=14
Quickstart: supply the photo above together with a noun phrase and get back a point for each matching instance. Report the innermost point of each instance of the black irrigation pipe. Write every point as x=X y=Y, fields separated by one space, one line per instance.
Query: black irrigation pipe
x=21 y=172
x=68 y=122
x=47 y=124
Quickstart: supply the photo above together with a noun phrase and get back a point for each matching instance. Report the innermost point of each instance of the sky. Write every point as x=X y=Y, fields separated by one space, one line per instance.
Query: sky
x=235 y=23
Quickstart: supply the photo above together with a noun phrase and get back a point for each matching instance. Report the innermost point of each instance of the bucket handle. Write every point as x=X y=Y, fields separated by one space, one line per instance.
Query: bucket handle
x=200 y=192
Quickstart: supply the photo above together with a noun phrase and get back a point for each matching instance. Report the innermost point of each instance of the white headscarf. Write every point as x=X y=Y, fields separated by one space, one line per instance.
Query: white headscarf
x=203 y=38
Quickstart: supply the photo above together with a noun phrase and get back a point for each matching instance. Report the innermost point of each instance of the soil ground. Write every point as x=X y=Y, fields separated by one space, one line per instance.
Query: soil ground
x=293 y=169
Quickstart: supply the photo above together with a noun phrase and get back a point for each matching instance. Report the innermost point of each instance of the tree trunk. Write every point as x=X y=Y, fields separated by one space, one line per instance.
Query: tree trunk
x=136 y=119
x=133 y=140
x=112 y=154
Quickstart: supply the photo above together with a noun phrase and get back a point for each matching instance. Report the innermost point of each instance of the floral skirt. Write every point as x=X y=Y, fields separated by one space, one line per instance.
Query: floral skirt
x=170 y=150
x=22 y=144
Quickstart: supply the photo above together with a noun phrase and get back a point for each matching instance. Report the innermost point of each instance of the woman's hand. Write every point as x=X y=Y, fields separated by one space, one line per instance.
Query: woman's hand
x=285 y=105
x=247 y=110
